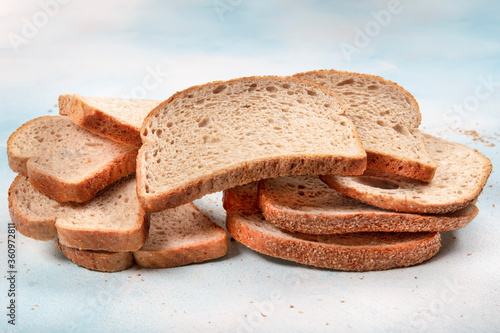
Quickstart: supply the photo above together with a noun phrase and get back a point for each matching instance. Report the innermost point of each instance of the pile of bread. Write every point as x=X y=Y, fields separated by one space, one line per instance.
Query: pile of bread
x=324 y=168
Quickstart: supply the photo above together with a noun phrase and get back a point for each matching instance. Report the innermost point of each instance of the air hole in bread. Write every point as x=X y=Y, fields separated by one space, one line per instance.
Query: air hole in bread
x=271 y=89
x=312 y=93
x=286 y=86
x=291 y=92
x=343 y=83
x=372 y=87
x=376 y=182
x=402 y=130
x=301 y=187
x=145 y=132
x=204 y=122
x=170 y=124
x=301 y=101
x=301 y=193
x=219 y=89
x=158 y=133
x=381 y=122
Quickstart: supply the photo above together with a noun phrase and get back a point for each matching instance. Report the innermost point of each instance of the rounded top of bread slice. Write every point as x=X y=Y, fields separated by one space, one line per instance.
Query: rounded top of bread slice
x=460 y=179
x=65 y=161
x=386 y=117
x=222 y=134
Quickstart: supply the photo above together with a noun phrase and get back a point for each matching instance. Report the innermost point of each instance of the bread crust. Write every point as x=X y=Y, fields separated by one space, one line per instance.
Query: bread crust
x=333 y=256
x=64 y=190
x=98 y=260
x=38 y=228
x=152 y=256
x=97 y=121
x=49 y=227
x=251 y=170
x=414 y=169
x=412 y=202
x=326 y=220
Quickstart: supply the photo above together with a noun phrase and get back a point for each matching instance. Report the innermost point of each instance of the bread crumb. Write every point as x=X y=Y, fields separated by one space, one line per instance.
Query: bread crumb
x=142 y=279
x=32 y=308
x=129 y=277
x=342 y=301
x=291 y=306
x=469 y=254
x=138 y=274
x=301 y=312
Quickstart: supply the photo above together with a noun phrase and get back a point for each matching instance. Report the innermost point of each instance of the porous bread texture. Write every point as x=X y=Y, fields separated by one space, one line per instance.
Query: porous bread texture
x=305 y=204
x=223 y=134
x=119 y=119
x=65 y=161
x=460 y=179
x=98 y=260
x=111 y=221
x=178 y=236
x=364 y=251
x=386 y=117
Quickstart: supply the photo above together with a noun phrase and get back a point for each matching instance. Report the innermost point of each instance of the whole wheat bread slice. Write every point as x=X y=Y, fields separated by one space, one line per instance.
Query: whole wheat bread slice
x=305 y=204
x=386 y=117
x=116 y=118
x=178 y=236
x=65 y=161
x=460 y=179
x=222 y=134
x=363 y=251
x=112 y=221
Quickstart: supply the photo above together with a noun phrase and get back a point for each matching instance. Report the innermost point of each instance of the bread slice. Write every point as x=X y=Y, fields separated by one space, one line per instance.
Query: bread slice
x=116 y=118
x=460 y=179
x=112 y=221
x=363 y=251
x=178 y=236
x=65 y=161
x=222 y=134
x=305 y=204
x=98 y=260
x=386 y=117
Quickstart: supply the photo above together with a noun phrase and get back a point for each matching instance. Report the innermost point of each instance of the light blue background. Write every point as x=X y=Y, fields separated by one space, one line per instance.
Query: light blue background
x=441 y=51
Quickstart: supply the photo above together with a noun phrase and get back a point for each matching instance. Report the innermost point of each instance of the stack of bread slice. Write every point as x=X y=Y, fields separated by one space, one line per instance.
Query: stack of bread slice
x=79 y=189
x=272 y=144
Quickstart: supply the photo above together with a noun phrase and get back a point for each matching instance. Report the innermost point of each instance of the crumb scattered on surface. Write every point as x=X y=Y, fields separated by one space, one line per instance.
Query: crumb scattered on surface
x=469 y=254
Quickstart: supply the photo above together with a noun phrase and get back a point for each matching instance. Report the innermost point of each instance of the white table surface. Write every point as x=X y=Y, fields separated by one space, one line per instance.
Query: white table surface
x=444 y=53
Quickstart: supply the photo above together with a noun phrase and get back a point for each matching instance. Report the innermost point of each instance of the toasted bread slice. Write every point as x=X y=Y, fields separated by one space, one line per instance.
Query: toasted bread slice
x=178 y=236
x=386 y=117
x=65 y=161
x=118 y=119
x=460 y=179
x=305 y=204
x=222 y=134
x=112 y=221
x=363 y=251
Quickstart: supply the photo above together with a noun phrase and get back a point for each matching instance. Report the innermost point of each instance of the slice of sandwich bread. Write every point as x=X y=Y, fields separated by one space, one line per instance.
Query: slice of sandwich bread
x=66 y=162
x=112 y=221
x=222 y=134
x=362 y=251
x=386 y=117
x=460 y=179
x=178 y=236
x=305 y=204
x=118 y=119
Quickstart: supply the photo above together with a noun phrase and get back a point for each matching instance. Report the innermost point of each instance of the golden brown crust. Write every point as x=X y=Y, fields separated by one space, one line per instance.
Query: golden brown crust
x=409 y=169
x=50 y=227
x=315 y=223
x=99 y=240
x=334 y=256
x=63 y=190
x=87 y=188
x=37 y=228
x=183 y=255
x=98 y=260
x=97 y=121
